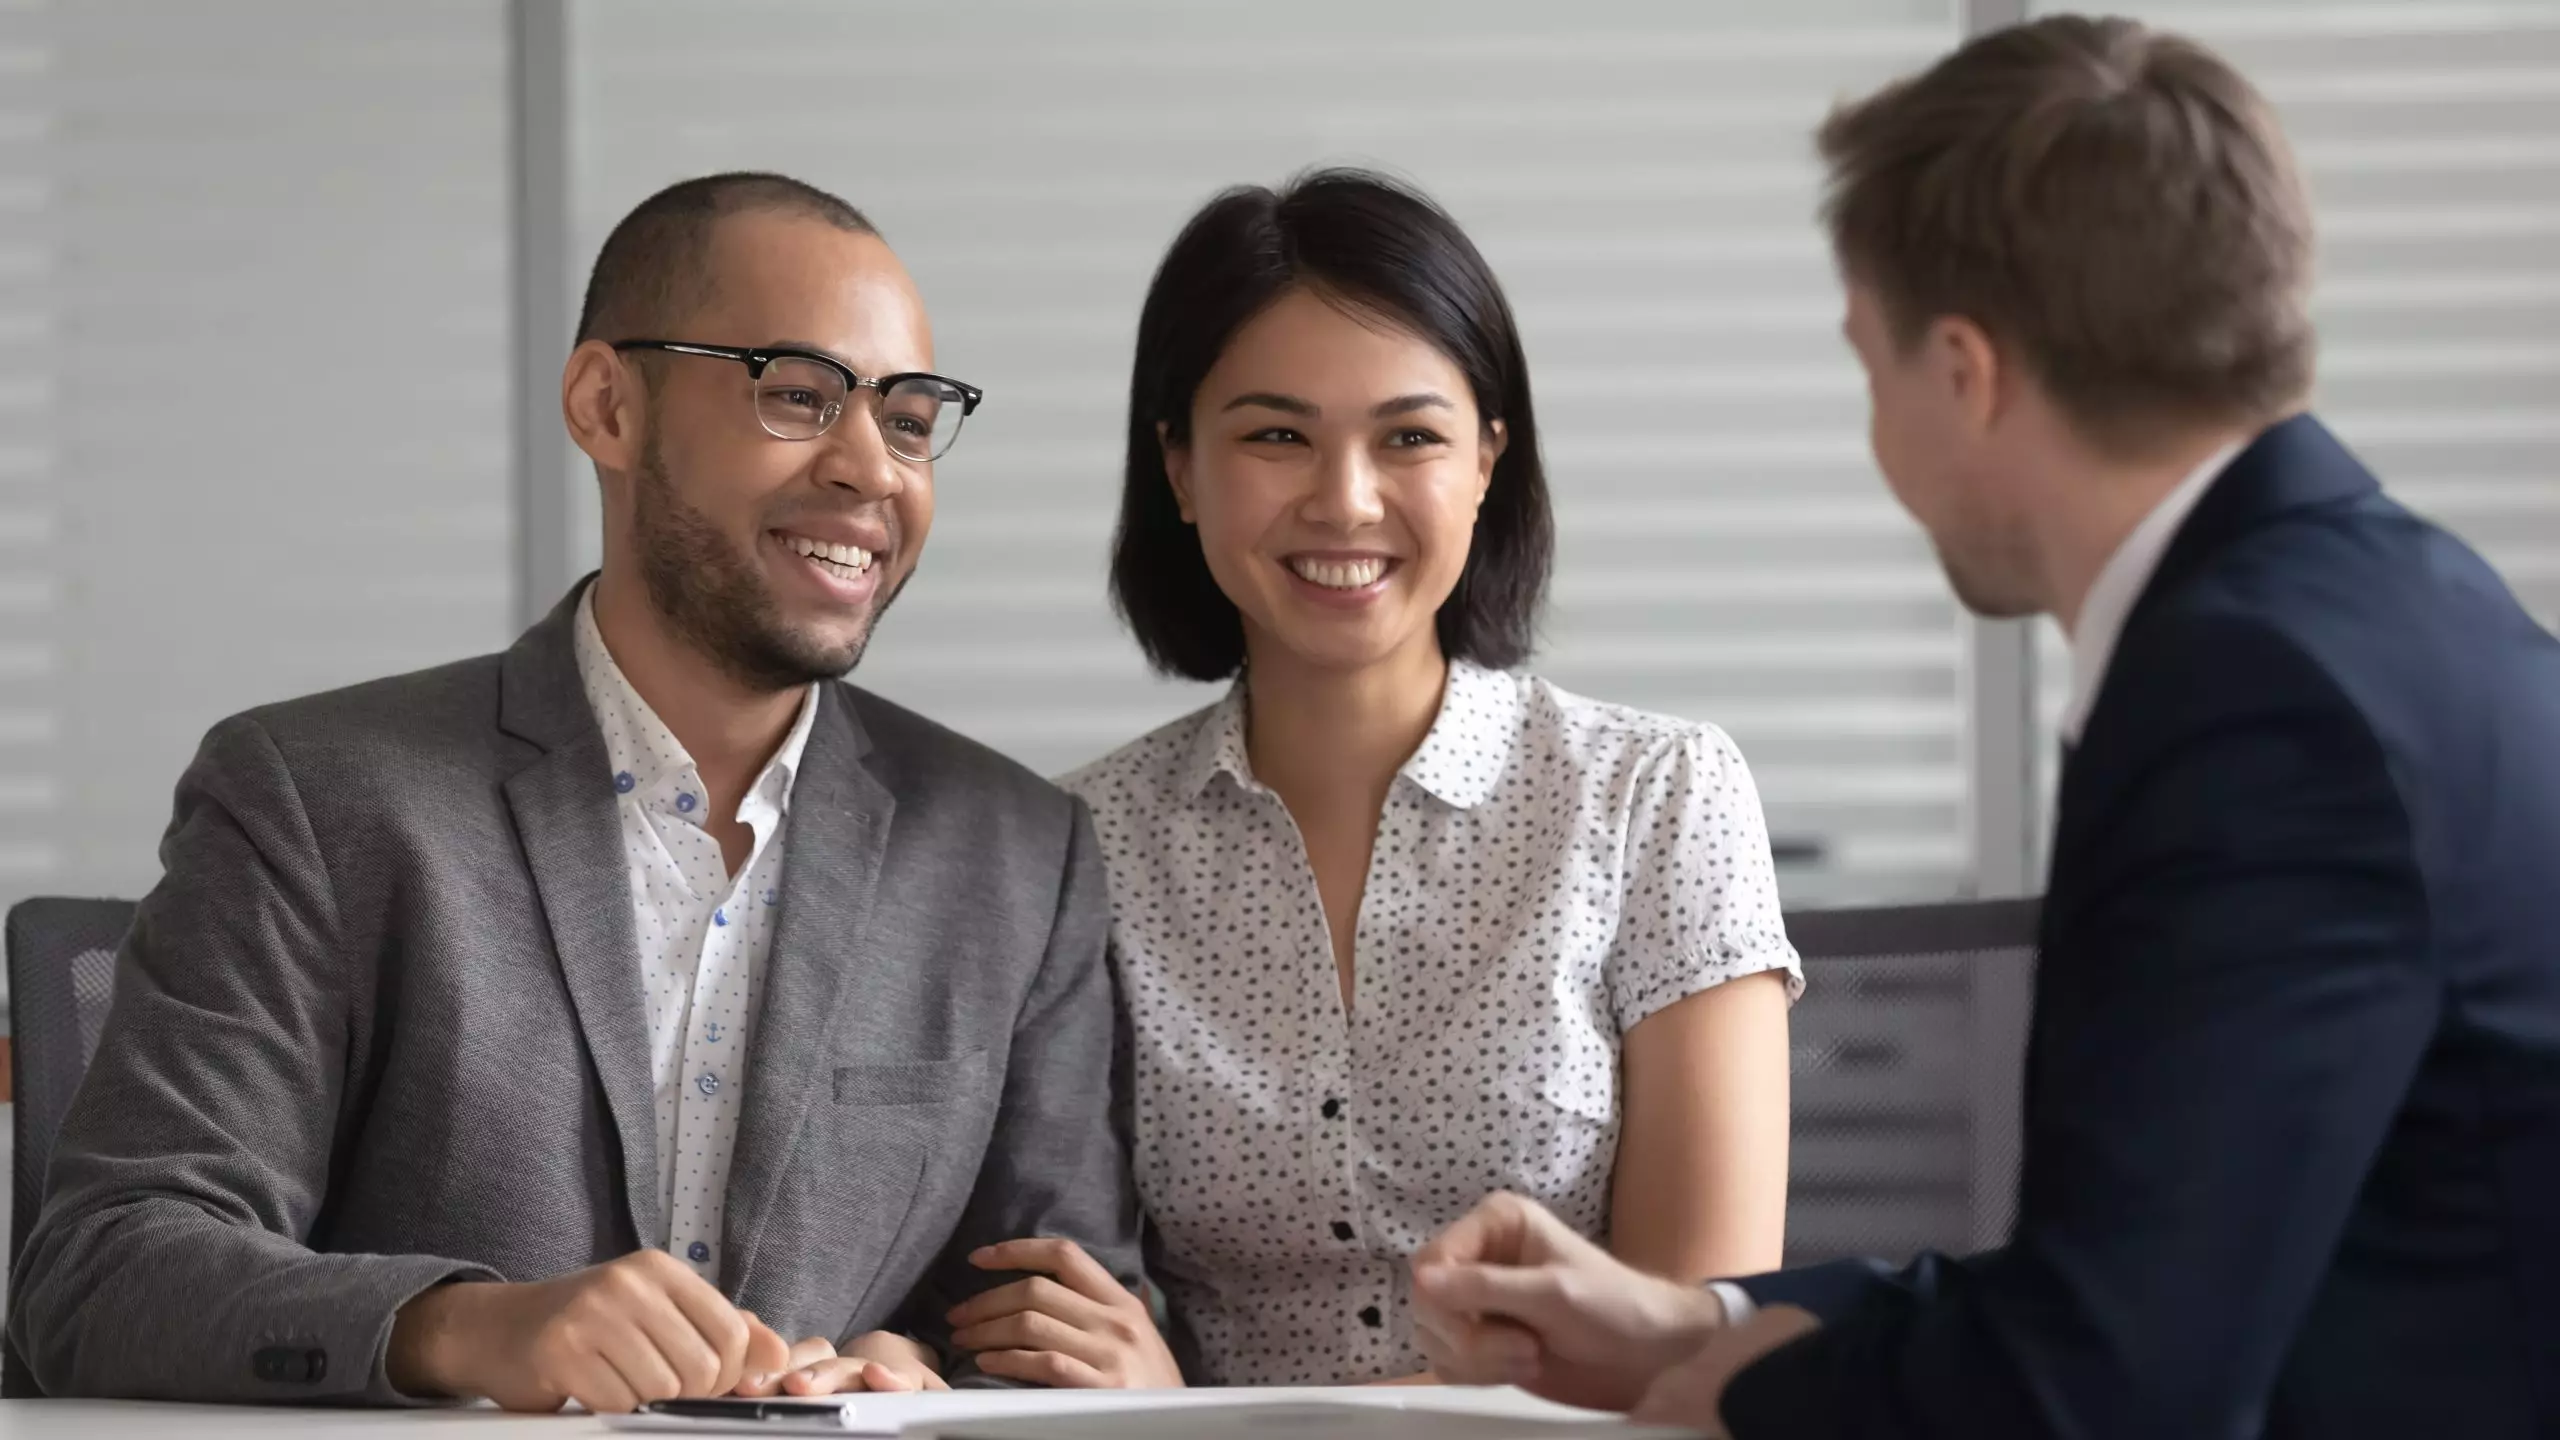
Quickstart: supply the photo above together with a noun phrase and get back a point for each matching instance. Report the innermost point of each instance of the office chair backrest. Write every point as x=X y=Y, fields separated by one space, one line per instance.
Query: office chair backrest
x=62 y=963
x=1910 y=1051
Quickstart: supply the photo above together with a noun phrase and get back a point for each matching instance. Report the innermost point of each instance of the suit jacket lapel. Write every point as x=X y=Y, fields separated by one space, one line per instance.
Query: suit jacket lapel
x=563 y=807
x=837 y=833
x=2292 y=465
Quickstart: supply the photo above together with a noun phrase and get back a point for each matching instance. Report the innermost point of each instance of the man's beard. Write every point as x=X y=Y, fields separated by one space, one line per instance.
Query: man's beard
x=714 y=599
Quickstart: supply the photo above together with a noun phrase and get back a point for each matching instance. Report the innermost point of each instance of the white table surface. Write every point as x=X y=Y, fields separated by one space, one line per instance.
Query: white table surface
x=94 y=1419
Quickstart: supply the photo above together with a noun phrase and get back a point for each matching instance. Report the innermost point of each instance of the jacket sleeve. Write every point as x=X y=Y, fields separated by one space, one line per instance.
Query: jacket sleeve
x=2234 y=999
x=169 y=1261
x=1058 y=1162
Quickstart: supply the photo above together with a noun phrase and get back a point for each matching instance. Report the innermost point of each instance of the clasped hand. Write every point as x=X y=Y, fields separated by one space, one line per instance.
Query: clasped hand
x=1068 y=1324
x=620 y=1335
x=1511 y=1295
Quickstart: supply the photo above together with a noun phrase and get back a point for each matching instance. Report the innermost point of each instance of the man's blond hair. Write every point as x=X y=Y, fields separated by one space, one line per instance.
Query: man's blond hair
x=2115 y=206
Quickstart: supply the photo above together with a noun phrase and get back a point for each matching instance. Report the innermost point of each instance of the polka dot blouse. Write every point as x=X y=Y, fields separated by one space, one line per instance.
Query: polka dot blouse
x=1548 y=872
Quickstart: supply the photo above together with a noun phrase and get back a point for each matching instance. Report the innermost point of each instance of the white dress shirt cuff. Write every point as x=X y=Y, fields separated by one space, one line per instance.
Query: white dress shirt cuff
x=1738 y=1307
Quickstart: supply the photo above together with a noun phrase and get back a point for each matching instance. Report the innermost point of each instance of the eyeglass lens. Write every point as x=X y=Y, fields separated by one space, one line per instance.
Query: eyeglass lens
x=799 y=399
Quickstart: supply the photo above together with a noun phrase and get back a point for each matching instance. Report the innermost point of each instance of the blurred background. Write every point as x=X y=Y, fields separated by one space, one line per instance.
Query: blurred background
x=285 y=286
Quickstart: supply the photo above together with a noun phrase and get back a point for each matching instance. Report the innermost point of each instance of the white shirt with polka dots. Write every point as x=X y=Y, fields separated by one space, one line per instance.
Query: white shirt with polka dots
x=704 y=936
x=1548 y=872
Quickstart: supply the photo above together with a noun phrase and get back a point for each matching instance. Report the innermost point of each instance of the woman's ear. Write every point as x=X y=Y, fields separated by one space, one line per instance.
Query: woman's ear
x=1497 y=438
x=1177 y=469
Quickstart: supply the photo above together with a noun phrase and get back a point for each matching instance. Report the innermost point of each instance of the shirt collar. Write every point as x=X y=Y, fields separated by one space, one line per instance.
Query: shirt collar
x=642 y=746
x=1459 y=762
x=1469 y=746
x=1217 y=747
x=2111 y=598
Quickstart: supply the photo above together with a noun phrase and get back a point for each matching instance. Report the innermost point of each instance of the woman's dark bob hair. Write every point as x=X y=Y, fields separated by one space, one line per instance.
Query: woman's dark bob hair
x=1375 y=246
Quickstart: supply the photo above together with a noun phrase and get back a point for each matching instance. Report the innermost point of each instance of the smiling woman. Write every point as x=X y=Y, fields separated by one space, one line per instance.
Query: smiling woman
x=1336 y=526
x=1345 y=270
x=1396 y=927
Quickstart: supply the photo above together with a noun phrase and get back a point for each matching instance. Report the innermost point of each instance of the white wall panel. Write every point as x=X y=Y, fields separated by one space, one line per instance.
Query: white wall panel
x=253 y=388
x=31 y=578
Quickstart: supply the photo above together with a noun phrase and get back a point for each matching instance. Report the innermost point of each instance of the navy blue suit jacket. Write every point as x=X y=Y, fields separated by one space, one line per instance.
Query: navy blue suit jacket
x=2292 y=1125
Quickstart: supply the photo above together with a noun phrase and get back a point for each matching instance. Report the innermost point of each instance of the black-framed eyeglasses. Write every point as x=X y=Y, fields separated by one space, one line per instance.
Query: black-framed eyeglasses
x=800 y=393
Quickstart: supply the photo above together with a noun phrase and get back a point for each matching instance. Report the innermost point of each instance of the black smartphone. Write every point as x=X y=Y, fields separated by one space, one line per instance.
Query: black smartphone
x=786 y=1415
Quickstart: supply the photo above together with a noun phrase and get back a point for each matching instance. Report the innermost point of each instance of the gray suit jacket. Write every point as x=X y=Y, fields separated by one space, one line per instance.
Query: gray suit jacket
x=381 y=1026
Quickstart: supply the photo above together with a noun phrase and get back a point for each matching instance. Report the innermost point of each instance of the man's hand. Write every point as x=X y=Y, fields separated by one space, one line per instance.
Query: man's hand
x=1691 y=1395
x=1070 y=1324
x=612 y=1338
x=879 y=1362
x=1511 y=1295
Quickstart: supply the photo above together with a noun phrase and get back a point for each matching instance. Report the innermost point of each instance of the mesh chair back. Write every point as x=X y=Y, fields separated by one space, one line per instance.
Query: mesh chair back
x=62 y=962
x=1910 y=1052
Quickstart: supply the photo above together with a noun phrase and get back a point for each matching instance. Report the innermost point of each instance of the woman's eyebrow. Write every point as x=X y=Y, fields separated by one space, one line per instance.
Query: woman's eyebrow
x=1266 y=400
x=1419 y=400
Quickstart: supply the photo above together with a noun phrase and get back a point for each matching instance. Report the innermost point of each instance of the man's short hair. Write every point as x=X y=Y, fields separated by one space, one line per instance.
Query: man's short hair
x=652 y=271
x=2115 y=205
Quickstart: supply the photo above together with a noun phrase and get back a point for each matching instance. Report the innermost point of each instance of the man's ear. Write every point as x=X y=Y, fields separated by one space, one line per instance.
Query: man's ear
x=1977 y=378
x=1177 y=470
x=604 y=406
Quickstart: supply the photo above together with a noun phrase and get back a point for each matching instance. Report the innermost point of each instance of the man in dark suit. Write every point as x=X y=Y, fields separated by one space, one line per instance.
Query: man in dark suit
x=584 y=1022
x=2292 y=1118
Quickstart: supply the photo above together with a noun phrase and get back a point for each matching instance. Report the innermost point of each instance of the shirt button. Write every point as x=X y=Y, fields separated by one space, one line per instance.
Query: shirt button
x=684 y=802
x=697 y=1252
x=709 y=1084
x=1371 y=1318
x=720 y=916
x=1333 y=1109
x=1342 y=1230
x=283 y=1365
x=622 y=782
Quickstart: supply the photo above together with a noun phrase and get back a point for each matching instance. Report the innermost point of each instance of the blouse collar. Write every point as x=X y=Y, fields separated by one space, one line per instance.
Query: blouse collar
x=1459 y=763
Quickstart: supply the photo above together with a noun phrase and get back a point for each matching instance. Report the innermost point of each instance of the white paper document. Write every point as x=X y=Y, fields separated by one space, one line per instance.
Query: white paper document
x=918 y=1414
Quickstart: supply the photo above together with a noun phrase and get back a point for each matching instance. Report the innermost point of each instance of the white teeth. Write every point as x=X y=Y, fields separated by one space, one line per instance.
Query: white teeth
x=1340 y=574
x=836 y=557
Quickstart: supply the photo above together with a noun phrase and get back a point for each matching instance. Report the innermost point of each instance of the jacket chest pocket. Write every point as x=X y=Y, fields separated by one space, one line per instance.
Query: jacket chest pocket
x=873 y=1189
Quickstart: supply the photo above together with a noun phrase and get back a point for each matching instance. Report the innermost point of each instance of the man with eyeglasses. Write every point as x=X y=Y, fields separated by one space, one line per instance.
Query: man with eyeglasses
x=641 y=1013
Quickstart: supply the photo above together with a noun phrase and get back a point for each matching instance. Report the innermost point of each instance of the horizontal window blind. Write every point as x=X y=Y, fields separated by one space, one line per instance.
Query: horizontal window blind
x=2430 y=136
x=253 y=427
x=1640 y=174
x=30 y=523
